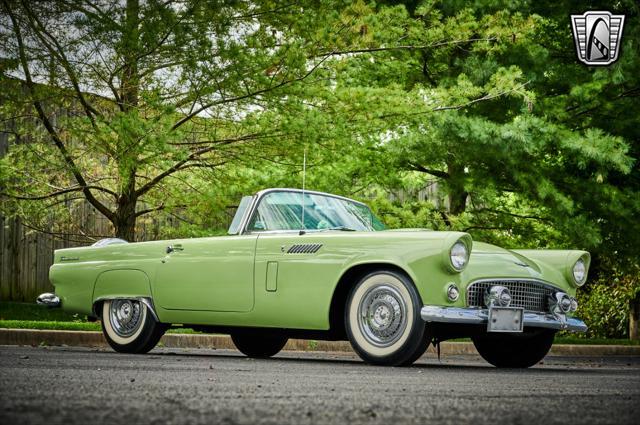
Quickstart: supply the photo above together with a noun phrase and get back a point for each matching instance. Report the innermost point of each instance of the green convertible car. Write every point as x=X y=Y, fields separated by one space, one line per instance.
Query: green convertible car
x=303 y=264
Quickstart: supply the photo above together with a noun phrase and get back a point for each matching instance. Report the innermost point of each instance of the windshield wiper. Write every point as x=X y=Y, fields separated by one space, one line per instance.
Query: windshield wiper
x=342 y=228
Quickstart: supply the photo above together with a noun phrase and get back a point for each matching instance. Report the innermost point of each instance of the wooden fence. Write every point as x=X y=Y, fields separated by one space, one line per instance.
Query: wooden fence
x=25 y=258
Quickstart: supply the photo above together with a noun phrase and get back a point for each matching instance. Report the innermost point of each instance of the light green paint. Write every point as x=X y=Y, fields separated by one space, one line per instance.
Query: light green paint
x=228 y=280
x=122 y=283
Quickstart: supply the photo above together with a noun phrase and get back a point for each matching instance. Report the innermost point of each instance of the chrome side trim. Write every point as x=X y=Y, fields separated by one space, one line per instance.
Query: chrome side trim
x=48 y=300
x=479 y=316
x=145 y=300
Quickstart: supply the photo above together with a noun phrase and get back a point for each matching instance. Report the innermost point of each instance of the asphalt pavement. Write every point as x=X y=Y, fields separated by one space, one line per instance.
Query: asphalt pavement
x=74 y=385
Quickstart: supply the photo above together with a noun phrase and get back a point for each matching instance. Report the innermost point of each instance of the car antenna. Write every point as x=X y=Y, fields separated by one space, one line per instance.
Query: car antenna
x=304 y=175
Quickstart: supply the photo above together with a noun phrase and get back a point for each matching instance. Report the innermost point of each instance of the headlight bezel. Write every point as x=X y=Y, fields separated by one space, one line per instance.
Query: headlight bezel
x=579 y=269
x=459 y=255
x=452 y=241
x=585 y=260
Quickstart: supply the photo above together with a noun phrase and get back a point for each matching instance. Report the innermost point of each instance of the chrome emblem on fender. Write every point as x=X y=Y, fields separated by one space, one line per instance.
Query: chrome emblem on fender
x=597 y=36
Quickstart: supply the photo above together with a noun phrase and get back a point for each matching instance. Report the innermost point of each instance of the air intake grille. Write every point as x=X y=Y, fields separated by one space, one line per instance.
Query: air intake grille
x=308 y=248
x=530 y=295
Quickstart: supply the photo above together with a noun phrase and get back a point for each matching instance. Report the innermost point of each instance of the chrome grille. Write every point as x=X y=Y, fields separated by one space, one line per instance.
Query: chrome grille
x=528 y=294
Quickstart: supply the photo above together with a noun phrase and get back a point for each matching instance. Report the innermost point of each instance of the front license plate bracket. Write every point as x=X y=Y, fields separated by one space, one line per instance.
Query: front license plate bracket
x=505 y=319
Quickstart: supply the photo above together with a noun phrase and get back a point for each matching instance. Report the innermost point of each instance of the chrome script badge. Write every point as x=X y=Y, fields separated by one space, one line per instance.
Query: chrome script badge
x=597 y=36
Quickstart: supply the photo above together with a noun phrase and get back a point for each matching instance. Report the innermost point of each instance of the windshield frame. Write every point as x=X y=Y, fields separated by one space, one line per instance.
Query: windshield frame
x=257 y=198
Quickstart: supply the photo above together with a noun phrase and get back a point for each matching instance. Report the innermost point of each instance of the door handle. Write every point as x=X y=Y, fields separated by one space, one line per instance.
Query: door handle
x=172 y=248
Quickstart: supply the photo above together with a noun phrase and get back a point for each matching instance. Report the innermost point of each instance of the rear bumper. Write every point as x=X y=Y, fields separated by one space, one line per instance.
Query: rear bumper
x=479 y=316
x=48 y=300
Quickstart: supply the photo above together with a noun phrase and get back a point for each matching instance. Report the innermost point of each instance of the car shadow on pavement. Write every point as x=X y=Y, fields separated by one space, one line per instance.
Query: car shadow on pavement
x=468 y=363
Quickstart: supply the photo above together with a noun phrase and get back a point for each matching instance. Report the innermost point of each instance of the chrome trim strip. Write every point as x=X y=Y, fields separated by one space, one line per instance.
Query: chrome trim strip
x=478 y=316
x=258 y=197
x=145 y=300
x=48 y=300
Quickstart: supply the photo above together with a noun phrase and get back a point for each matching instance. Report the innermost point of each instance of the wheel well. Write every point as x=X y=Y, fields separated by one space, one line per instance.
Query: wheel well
x=340 y=294
x=97 y=308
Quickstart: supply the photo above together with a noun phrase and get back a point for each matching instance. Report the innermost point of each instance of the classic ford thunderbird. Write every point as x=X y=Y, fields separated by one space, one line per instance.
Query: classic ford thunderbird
x=303 y=264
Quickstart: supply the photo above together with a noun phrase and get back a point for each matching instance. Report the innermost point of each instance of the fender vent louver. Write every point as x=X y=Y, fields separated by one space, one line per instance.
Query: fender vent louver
x=308 y=248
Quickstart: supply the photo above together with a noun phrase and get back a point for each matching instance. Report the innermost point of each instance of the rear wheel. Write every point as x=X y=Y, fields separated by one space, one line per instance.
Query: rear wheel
x=258 y=345
x=382 y=319
x=514 y=350
x=129 y=326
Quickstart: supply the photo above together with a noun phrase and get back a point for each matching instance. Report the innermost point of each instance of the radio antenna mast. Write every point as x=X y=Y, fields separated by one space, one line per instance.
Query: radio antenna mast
x=304 y=176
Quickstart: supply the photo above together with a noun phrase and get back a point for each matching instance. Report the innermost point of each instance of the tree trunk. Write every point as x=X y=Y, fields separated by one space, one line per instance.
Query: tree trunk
x=455 y=184
x=124 y=221
x=634 y=318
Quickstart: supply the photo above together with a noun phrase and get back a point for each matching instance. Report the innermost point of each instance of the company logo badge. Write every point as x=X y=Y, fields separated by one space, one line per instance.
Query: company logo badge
x=597 y=36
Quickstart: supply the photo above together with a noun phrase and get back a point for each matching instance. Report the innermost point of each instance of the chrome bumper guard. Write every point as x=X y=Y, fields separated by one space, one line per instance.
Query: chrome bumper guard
x=48 y=300
x=479 y=316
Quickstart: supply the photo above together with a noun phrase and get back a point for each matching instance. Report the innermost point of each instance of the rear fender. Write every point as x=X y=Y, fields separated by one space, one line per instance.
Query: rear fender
x=122 y=284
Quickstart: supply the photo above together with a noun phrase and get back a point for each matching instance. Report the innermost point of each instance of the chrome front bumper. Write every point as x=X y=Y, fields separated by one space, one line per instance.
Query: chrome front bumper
x=479 y=316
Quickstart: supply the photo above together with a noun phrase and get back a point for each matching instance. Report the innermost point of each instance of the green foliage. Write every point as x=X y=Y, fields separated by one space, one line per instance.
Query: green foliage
x=605 y=305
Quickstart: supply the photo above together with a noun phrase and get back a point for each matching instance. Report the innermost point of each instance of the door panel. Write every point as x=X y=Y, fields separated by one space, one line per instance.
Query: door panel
x=208 y=274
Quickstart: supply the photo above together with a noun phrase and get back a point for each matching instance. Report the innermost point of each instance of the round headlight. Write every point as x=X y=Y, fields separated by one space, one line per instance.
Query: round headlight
x=459 y=255
x=579 y=272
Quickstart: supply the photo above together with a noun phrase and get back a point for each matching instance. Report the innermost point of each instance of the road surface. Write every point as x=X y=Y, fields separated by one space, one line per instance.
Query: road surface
x=84 y=386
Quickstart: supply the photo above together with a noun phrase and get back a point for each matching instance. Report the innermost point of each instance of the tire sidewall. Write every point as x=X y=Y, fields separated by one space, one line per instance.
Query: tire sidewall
x=142 y=341
x=412 y=337
x=111 y=333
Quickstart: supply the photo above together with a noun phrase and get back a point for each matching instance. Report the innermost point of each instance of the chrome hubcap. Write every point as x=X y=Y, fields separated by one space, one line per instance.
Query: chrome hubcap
x=125 y=317
x=382 y=315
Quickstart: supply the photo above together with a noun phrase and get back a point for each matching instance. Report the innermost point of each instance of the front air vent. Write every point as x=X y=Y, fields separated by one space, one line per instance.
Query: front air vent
x=305 y=248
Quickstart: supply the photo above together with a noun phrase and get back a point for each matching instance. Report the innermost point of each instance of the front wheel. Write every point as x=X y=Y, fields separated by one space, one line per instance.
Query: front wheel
x=258 y=345
x=515 y=350
x=382 y=319
x=129 y=327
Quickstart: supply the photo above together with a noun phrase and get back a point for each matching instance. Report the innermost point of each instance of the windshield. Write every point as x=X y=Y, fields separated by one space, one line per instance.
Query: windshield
x=284 y=211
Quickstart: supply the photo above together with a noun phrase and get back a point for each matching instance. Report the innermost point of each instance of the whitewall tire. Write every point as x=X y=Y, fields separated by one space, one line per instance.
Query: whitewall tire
x=382 y=319
x=129 y=326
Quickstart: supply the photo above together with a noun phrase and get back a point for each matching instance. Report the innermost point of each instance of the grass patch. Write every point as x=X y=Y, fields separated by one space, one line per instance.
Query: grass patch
x=34 y=312
x=70 y=326
x=594 y=341
x=50 y=325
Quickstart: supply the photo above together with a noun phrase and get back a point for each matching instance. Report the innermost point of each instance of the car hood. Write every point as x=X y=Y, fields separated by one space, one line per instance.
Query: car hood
x=487 y=252
x=490 y=261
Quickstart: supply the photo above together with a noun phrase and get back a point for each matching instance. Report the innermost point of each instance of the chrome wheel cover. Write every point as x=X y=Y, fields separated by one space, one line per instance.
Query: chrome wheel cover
x=382 y=315
x=125 y=317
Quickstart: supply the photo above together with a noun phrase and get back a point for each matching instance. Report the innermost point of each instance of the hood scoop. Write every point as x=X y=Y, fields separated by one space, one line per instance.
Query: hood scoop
x=305 y=248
